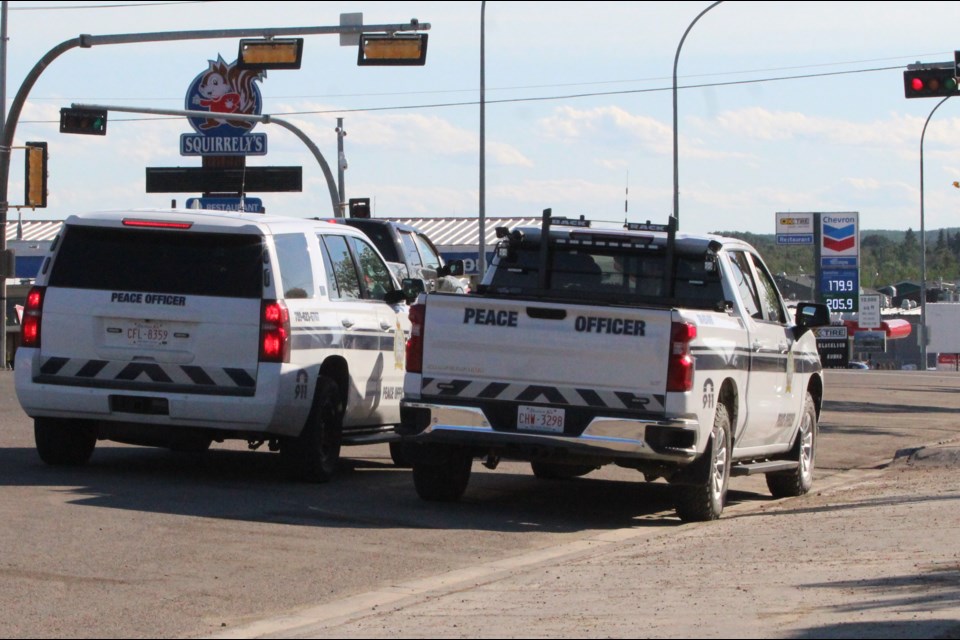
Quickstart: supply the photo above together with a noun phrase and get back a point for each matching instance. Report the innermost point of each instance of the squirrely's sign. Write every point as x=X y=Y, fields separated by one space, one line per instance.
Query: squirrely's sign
x=224 y=90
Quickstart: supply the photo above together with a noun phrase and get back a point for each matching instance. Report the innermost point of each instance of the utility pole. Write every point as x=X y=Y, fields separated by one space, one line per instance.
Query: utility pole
x=341 y=167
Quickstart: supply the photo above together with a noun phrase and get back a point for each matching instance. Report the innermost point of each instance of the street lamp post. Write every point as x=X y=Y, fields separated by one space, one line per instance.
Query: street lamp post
x=923 y=251
x=481 y=257
x=676 y=155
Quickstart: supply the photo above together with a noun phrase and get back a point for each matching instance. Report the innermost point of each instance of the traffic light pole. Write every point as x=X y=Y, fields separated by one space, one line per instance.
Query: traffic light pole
x=265 y=119
x=87 y=41
x=923 y=251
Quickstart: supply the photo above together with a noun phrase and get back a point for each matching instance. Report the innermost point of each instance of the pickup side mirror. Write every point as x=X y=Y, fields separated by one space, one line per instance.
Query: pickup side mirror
x=452 y=268
x=810 y=315
x=412 y=288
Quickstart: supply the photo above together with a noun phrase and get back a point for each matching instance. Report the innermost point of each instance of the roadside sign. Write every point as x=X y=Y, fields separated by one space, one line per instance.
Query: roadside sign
x=795 y=228
x=869 y=312
x=833 y=346
x=250 y=205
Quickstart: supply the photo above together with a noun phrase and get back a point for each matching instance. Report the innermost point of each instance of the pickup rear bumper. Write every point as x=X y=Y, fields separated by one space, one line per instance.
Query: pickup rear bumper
x=672 y=440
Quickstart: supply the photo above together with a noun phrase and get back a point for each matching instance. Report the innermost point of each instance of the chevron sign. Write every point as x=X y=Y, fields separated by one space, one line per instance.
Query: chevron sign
x=839 y=233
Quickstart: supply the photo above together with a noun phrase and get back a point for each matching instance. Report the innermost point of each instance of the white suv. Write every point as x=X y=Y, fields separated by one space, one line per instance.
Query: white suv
x=179 y=328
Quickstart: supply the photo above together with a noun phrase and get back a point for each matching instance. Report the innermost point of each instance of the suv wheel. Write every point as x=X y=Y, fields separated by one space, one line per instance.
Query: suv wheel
x=64 y=442
x=314 y=454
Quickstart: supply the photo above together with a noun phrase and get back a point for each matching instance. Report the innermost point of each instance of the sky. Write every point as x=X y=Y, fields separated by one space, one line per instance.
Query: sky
x=782 y=107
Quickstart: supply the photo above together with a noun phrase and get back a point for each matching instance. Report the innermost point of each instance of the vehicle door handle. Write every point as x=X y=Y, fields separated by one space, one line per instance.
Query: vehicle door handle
x=347 y=322
x=386 y=326
x=784 y=347
x=757 y=345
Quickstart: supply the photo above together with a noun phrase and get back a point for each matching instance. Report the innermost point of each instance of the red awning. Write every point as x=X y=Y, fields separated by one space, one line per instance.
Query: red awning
x=894 y=328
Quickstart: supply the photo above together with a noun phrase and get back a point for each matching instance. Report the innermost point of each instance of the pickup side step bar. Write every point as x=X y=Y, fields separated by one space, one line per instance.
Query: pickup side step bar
x=752 y=468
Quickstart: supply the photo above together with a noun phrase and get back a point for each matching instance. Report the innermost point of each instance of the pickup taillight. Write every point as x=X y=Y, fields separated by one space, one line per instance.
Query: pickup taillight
x=274 y=332
x=32 y=314
x=418 y=315
x=680 y=367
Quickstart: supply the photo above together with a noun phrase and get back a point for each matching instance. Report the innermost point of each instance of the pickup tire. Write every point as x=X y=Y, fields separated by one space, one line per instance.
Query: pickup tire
x=313 y=456
x=554 y=471
x=788 y=484
x=445 y=477
x=64 y=442
x=704 y=500
x=399 y=456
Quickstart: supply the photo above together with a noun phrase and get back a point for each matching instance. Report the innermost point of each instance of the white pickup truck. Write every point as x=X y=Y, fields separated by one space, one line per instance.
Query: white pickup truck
x=667 y=353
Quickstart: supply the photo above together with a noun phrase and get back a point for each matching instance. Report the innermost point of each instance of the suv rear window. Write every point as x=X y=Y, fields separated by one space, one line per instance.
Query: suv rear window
x=204 y=264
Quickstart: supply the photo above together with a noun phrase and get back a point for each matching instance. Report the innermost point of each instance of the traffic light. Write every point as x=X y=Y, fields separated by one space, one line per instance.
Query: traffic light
x=35 y=175
x=85 y=121
x=359 y=207
x=930 y=83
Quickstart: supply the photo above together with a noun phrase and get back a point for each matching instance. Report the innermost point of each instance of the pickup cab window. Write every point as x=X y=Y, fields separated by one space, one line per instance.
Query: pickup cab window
x=430 y=257
x=609 y=274
x=410 y=249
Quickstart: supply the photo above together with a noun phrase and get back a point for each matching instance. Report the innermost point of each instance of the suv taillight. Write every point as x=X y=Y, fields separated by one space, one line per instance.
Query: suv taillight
x=274 y=332
x=32 y=313
x=418 y=315
x=680 y=368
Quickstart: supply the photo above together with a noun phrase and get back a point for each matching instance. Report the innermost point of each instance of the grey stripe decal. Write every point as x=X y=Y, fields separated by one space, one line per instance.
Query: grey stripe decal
x=544 y=394
x=493 y=390
x=91 y=369
x=241 y=377
x=551 y=394
x=153 y=371
x=53 y=365
x=151 y=376
x=198 y=375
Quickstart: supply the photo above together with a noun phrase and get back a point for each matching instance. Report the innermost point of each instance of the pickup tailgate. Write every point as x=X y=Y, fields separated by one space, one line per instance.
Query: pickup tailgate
x=530 y=356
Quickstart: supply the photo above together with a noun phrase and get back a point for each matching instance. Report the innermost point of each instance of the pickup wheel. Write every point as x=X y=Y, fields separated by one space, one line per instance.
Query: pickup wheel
x=788 y=484
x=704 y=500
x=445 y=477
x=64 y=442
x=398 y=456
x=314 y=454
x=554 y=471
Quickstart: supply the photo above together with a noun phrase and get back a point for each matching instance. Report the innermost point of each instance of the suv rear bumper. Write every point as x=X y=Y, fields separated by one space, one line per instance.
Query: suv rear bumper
x=671 y=440
x=257 y=412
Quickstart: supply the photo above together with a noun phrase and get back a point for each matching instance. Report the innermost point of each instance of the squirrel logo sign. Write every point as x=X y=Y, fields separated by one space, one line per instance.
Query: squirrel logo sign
x=224 y=89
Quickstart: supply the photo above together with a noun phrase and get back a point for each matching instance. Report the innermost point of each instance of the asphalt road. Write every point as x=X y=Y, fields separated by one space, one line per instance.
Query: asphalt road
x=148 y=543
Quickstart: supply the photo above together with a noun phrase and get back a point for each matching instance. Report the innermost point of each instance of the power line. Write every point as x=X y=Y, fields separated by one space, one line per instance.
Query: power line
x=571 y=96
x=132 y=5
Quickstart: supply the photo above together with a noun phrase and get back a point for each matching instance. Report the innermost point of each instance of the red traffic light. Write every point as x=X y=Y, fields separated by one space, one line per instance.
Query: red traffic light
x=930 y=83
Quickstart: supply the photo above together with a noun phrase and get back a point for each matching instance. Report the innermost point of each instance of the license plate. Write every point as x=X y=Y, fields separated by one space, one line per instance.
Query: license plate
x=546 y=419
x=150 y=334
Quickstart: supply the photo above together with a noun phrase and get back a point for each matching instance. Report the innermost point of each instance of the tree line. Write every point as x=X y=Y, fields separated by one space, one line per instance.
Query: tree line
x=886 y=257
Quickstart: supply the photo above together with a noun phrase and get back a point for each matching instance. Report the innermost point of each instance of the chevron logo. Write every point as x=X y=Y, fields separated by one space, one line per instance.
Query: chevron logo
x=839 y=239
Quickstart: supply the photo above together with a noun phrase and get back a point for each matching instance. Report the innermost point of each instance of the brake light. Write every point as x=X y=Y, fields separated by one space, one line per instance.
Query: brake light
x=418 y=315
x=680 y=367
x=32 y=312
x=274 y=332
x=156 y=224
